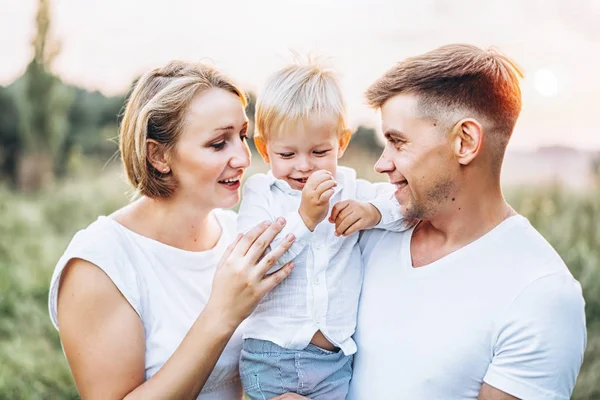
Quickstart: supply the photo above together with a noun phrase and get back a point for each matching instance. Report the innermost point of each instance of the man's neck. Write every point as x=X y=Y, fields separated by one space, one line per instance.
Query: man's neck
x=473 y=213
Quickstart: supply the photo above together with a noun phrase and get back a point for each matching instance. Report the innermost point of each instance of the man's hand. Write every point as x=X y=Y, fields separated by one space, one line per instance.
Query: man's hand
x=351 y=216
x=315 y=198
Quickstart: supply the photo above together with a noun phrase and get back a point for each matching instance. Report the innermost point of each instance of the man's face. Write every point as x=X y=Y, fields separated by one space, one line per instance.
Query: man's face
x=418 y=158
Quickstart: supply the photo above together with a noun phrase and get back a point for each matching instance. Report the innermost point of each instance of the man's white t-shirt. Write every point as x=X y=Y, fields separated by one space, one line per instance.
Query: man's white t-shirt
x=503 y=310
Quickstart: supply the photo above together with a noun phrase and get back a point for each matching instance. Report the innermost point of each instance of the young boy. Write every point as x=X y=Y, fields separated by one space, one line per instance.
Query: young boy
x=299 y=339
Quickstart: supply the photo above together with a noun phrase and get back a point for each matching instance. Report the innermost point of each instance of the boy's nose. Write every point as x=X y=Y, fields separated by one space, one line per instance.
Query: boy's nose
x=304 y=165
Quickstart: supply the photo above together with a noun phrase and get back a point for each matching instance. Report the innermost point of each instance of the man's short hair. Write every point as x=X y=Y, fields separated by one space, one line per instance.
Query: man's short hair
x=457 y=80
x=297 y=93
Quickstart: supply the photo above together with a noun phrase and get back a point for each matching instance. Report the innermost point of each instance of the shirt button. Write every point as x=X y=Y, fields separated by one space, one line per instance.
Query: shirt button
x=316 y=280
x=318 y=246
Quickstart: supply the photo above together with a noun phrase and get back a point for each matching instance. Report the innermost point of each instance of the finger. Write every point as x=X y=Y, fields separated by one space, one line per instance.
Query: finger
x=337 y=208
x=272 y=256
x=318 y=177
x=229 y=250
x=326 y=196
x=249 y=238
x=325 y=185
x=269 y=282
x=261 y=243
x=344 y=213
x=355 y=227
x=345 y=222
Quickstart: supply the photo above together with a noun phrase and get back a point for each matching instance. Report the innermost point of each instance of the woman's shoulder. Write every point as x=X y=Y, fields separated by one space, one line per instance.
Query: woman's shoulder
x=104 y=244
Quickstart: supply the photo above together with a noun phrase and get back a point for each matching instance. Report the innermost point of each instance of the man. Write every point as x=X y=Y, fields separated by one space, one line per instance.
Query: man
x=472 y=302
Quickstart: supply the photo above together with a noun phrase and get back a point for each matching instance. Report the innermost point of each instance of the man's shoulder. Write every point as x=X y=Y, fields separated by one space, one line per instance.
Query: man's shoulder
x=526 y=252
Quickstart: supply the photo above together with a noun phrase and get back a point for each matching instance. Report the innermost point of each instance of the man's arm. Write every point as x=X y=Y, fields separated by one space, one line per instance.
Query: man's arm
x=540 y=342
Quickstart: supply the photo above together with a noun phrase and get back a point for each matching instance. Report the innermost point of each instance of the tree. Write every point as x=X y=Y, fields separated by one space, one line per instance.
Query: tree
x=9 y=136
x=43 y=107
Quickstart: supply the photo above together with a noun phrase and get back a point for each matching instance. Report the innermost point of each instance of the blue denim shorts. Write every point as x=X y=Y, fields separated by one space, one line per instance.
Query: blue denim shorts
x=268 y=370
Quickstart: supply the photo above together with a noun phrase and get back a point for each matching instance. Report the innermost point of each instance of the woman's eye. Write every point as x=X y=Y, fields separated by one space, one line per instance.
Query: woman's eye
x=218 y=145
x=321 y=152
x=285 y=155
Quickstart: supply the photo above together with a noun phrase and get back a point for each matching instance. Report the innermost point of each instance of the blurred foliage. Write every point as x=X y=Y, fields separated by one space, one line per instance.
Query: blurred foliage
x=35 y=230
x=47 y=125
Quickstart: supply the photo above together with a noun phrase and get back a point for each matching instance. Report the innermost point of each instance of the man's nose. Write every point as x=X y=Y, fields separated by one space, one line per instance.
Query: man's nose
x=384 y=164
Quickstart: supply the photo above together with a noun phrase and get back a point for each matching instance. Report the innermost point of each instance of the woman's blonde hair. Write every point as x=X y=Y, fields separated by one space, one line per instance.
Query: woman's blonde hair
x=156 y=110
x=296 y=93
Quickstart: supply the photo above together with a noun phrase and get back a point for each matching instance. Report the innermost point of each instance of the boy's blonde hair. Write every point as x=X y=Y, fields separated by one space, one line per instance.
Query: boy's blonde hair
x=297 y=93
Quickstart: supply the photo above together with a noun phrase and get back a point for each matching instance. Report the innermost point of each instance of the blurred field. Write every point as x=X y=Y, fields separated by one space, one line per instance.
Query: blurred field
x=35 y=229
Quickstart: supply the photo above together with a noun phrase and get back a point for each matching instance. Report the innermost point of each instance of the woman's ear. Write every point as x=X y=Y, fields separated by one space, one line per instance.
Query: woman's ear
x=261 y=146
x=156 y=156
x=343 y=142
x=467 y=136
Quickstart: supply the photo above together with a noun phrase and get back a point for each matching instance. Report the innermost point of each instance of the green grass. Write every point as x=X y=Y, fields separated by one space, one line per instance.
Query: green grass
x=34 y=231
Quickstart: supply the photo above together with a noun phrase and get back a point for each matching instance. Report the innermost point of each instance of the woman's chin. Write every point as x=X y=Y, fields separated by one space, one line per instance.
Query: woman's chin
x=229 y=201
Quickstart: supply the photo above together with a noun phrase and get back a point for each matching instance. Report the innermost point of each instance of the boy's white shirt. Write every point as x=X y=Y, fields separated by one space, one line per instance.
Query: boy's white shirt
x=322 y=291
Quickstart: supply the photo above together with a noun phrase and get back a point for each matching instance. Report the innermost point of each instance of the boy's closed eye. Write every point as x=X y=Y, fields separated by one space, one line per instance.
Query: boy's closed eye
x=285 y=155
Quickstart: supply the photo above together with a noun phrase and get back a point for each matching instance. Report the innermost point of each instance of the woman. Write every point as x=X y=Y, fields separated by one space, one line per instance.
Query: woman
x=149 y=299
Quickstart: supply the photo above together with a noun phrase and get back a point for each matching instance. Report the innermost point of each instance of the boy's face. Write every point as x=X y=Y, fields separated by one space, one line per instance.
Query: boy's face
x=303 y=149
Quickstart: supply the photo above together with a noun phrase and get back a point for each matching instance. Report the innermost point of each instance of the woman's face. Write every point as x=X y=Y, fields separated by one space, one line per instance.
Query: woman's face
x=211 y=154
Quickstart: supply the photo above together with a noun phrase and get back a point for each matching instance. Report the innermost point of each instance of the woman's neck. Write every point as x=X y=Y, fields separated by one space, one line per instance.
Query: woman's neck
x=173 y=222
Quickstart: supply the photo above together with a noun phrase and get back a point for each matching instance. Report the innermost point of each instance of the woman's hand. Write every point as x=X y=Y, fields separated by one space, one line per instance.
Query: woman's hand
x=240 y=282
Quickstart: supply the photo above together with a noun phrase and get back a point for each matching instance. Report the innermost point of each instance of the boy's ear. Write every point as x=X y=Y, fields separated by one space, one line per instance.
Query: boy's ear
x=261 y=146
x=343 y=141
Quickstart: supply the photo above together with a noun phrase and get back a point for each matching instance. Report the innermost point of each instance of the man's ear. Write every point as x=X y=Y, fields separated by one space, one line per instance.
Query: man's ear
x=467 y=137
x=343 y=141
x=261 y=146
x=155 y=154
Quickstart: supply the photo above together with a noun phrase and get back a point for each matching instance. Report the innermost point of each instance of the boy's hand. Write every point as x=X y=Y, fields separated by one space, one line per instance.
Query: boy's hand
x=351 y=216
x=315 y=198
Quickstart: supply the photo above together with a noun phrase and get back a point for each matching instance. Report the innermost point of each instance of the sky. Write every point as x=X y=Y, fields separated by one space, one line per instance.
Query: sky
x=106 y=44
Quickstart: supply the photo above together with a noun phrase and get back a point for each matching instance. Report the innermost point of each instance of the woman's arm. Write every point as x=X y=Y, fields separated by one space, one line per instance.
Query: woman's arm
x=103 y=336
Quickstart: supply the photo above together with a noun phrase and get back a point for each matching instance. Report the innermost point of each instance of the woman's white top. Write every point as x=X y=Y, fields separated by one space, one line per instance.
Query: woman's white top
x=167 y=287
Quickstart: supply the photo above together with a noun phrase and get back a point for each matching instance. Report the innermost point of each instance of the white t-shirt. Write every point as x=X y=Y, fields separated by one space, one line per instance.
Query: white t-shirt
x=167 y=287
x=503 y=310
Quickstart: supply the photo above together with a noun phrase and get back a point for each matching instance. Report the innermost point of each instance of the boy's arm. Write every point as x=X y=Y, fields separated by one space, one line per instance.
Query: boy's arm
x=255 y=208
x=381 y=196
